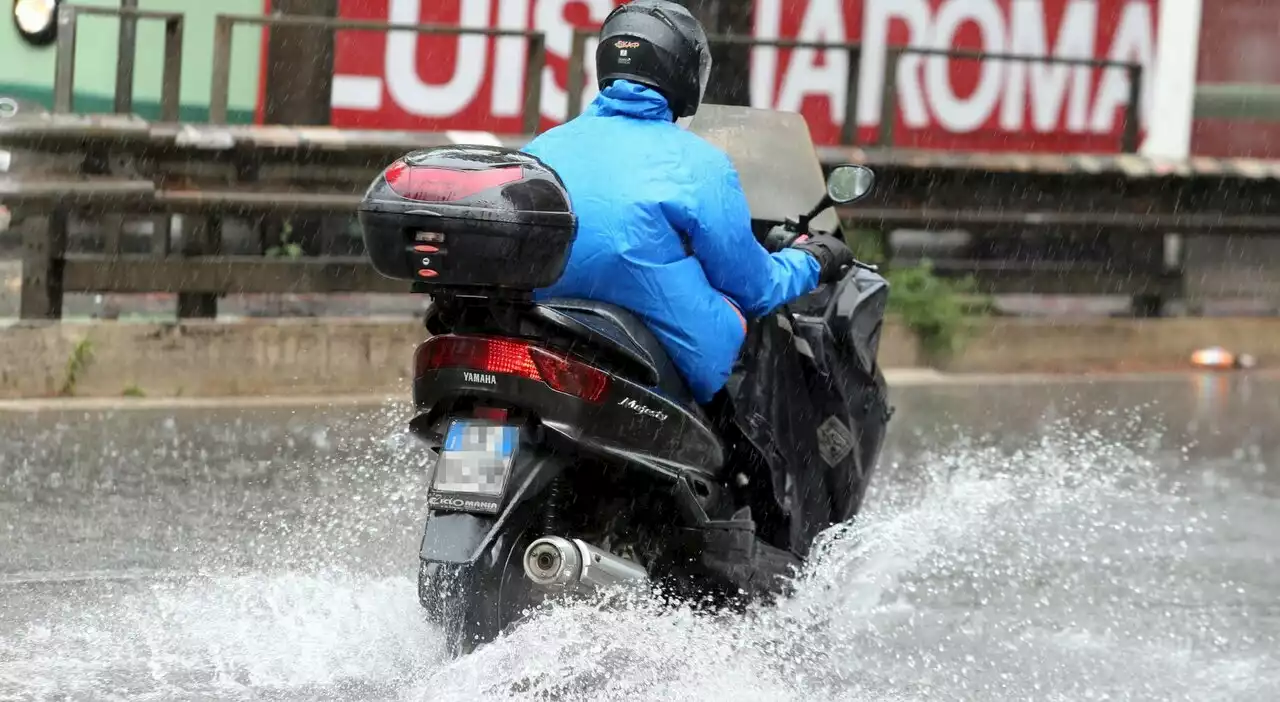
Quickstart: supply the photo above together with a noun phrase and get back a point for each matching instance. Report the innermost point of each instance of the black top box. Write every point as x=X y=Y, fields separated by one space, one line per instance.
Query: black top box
x=466 y=216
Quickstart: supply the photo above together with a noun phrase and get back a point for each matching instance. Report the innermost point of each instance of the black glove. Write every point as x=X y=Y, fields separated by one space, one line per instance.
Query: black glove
x=778 y=238
x=834 y=257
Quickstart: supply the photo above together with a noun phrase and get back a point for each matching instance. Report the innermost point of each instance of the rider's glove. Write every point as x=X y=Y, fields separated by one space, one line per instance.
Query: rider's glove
x=834 y=257
x=778 y=238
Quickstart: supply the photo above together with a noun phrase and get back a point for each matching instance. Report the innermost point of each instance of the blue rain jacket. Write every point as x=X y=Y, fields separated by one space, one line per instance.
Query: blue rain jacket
x=642 y=186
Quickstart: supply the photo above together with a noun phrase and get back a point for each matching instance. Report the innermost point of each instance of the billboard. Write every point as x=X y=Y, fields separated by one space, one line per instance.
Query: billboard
x=1248 y=29
x=402 y=80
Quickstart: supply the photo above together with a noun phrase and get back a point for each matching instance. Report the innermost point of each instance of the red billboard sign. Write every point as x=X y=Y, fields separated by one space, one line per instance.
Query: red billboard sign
x=402 y=80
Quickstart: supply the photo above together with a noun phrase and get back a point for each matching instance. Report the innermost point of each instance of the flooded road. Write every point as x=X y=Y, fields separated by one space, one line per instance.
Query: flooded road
x=1073 y=541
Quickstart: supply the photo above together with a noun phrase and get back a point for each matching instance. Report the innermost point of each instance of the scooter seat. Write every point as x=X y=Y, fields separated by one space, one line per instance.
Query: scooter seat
x=616 y=330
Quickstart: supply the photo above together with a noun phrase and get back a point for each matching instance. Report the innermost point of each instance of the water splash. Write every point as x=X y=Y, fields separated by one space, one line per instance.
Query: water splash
x=1046 y=573
x=227 y=638
x=1068 y=567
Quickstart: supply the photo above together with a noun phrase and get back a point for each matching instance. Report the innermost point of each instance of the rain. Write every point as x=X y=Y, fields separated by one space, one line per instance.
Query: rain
x=226 y=381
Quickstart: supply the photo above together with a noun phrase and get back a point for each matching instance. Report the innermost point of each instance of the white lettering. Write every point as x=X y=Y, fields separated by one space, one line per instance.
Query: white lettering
x=1013 y=96
x=437 y=500
x=875 y=34
x=764 y=59
x=956 y=114
x=482 y=378
x=509 y=59
x=823 y=22
x=1021 y=29
x=642 y=410
x=1049 y=81
x=549 y=18
x=406 y=86
x=1132 y=42
x=590 y=90
x=356 y=93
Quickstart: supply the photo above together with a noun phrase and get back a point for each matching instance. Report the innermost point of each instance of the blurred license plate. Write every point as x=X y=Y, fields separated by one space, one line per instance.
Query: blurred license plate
x=474 y=466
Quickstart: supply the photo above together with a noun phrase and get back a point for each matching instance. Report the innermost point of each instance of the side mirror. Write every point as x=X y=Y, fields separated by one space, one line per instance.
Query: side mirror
x=849 y=183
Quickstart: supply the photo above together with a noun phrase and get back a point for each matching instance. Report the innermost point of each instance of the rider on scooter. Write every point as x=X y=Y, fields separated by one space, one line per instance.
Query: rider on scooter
x=664 y=229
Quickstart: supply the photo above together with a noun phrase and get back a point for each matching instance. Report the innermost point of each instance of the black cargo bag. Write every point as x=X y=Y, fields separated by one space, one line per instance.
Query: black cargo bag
x=809 y=397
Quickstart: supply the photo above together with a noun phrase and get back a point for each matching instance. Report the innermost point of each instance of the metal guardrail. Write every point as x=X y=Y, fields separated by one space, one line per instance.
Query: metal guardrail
x=225 y=24
x=1251 y=101
x=895 y=54
x=201 y=271
x=893 y=58
x=1096 y=199
x=129 y=15
x=578 y=57
x=848 y=132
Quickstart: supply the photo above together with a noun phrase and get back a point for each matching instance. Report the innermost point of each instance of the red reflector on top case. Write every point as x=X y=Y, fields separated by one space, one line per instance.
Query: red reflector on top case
x=423 y=248
x=428 y=273
x=426 y=184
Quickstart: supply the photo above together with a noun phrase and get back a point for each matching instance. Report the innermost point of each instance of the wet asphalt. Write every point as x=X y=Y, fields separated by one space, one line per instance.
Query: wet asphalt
x=269 y=553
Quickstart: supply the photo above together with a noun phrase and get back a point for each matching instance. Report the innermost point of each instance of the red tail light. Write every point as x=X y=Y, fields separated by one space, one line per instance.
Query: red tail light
x=569 y=376
x=443 y=184
x=495 y=414
x=512 y=358
x=491 y=355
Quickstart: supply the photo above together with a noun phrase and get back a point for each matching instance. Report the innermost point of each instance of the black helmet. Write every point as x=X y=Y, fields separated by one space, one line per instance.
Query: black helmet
x=659 y=44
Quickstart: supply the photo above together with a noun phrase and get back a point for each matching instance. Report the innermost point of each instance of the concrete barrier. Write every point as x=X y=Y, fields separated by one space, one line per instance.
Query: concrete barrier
x=1020 y=345
x=207 y=358
x=360 y=356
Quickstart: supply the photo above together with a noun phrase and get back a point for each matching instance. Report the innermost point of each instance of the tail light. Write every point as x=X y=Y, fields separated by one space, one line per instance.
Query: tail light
x=443 y=184
x=509 y=357
x=490 y=355
x=496 y=414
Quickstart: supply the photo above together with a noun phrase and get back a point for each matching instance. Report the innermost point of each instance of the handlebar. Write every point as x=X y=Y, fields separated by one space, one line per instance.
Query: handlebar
x=779 y=238
x=782 y=236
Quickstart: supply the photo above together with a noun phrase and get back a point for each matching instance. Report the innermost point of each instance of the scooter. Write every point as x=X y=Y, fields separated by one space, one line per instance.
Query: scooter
x=571 y=456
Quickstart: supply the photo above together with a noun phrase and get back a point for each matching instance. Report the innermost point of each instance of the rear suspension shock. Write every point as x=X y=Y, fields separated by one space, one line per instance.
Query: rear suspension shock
x=551 y=519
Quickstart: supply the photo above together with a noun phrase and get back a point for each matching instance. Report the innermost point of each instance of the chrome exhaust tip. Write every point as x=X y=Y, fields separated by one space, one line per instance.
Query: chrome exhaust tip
x=555 y=563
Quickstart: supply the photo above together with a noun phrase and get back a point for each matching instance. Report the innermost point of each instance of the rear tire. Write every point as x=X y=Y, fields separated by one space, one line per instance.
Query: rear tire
x=475 y=602
x=472 y=604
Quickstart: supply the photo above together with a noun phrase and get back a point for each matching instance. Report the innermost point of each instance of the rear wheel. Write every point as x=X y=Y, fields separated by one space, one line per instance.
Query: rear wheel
x=473 y=604
x=612 y=509
x=475 y=601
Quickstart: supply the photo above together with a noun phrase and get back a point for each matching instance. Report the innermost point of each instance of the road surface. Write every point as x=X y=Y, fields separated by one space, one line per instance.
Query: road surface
x=1069 y=541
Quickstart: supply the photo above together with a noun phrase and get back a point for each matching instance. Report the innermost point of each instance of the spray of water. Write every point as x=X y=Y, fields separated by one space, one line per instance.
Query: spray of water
x=1067 y=568
x=1049 y=572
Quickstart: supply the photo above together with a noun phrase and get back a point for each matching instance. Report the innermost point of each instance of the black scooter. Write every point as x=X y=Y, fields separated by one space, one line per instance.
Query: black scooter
x=571 y=456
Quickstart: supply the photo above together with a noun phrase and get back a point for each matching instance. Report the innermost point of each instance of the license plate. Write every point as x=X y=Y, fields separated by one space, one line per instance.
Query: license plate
x=474 y=466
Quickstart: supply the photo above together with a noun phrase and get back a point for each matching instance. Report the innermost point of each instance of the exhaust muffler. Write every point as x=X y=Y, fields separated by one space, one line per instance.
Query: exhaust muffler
x=557 y=564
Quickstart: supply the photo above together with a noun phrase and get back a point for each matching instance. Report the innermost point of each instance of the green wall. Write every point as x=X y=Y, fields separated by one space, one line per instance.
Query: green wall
x=27 y=71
